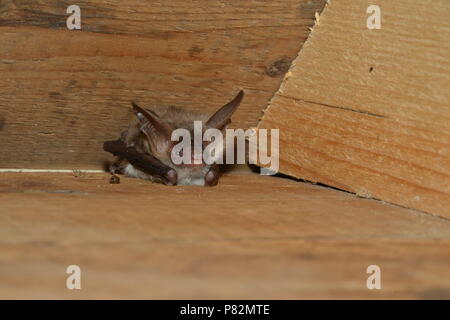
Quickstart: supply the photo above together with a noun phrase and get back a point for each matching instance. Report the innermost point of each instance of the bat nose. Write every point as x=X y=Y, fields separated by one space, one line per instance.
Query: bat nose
x=197 y=159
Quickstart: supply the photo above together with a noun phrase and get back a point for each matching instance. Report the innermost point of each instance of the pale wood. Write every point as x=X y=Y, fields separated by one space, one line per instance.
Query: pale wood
x=62 y=93
x=250 y=237
x=368 y=111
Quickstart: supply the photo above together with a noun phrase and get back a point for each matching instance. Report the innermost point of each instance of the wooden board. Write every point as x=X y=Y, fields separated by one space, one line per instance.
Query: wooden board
x=368 y=111
x=62 y=93
x=250 y=237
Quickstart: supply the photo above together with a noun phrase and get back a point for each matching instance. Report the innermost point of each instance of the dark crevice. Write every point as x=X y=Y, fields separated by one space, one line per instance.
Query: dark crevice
x=255 y=168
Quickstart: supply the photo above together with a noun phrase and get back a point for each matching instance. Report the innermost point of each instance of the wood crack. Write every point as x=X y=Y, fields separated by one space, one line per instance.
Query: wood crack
x=334 y=107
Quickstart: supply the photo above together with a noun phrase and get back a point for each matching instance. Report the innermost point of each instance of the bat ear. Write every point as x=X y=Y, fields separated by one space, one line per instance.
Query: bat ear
x=222 y=116
x=157 y=131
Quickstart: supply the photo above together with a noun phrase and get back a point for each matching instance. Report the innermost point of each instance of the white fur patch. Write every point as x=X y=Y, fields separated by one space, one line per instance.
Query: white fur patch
x=186 y=176
x=135 y=173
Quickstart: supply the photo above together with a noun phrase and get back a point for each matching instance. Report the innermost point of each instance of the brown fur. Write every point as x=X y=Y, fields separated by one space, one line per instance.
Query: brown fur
x=149 y=134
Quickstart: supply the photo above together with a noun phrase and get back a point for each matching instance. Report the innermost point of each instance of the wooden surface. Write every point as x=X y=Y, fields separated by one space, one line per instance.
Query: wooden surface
x=368 y=111
x=250 y=237
x=62 y=93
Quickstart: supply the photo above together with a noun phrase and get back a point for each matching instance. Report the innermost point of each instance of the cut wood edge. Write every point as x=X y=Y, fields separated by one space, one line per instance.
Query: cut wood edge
x=289 y=73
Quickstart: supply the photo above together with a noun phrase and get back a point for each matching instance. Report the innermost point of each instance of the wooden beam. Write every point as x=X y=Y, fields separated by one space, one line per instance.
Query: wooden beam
x=62 y=93
x=368 y=111
x=251 y=237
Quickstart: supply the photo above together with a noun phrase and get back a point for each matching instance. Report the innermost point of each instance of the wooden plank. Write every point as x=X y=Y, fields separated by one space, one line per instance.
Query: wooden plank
x=64 y=92
x=368 y=110
x=143 y=240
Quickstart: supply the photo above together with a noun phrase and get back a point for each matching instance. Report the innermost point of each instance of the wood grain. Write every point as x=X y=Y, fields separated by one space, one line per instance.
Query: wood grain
x=64 y=92
x=368 y=111
x=233 y=241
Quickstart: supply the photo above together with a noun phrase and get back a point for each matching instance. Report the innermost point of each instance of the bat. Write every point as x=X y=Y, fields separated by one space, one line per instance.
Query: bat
x=144 y=150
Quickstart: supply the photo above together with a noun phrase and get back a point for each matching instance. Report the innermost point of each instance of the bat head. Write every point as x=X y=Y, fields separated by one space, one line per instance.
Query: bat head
x=158 y=133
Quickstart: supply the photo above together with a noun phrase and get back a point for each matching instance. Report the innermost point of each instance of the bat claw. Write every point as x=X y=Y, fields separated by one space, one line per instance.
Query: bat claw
x=211 y=178
x=171 y=177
